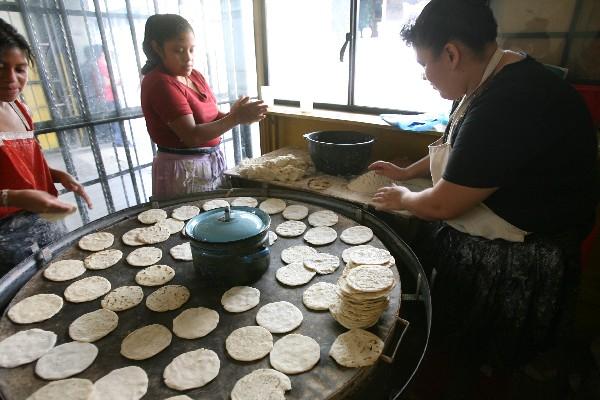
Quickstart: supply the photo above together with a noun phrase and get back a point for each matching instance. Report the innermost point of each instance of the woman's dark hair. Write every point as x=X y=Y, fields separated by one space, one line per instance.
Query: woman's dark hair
x=10 y=38
x=469 y=21
x=160 y=28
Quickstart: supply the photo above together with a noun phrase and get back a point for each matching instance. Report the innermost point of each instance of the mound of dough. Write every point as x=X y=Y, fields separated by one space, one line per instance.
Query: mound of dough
x=369 y=182
x=284 y=168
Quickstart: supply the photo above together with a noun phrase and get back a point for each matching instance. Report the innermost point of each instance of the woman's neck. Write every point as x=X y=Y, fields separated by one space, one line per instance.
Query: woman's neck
x=478 y=66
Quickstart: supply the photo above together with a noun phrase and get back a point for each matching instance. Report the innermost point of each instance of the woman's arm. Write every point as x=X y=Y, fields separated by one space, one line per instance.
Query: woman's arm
x=37 y=201
x=418 y=169
x=71 y=184
x=242 y=112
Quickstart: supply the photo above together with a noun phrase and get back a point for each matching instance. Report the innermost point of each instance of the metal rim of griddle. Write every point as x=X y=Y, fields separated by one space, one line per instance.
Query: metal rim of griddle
x=15 y=279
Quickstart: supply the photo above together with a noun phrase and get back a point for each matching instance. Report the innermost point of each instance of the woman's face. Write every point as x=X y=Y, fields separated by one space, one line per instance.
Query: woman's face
x=178 y=54
x=13 y=73
x=440 y=70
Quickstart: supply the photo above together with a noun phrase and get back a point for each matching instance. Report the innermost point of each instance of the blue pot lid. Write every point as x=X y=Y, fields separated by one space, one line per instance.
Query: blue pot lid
x=214 y=226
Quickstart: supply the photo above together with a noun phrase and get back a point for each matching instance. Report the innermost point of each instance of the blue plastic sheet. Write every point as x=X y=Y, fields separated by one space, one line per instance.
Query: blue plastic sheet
x=417 y=123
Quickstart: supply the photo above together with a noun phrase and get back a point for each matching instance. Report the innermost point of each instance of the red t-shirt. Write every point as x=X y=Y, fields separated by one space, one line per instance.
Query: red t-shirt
x=165 y=99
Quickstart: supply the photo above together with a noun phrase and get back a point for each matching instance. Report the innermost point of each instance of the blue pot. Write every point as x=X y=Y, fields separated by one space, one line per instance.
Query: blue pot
x=230 y=246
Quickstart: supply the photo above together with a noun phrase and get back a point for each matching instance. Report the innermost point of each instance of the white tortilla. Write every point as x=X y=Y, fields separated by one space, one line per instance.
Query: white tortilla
x=347 y=252
x=154 y=234
x=272 y=206
x=64 y=270
x=279 y=317
x=182 y=252
x=146 y=342
x=213 y=204
x=294 y=274
x=356 y=235
x=93 y=325
x=172 y=225
x=370 y=278
x=244 y=202
x=295 y=212
x=144 y=256
x=272 y=237
x=290 y=228
x=129 y=383
x=184 y=213
x=96 y=241
x=356 y=348
x=370 y=255
x=167 y=298
x=322 y=263
x=240 y=298
x=323 y=218
x=130 y=238
x=297 y=253
x=294 y=354
x=36 y=308
x=320 y=296
x=249 y=343
x=66 y=360
x=87 y=289
x=320 y=235
x=195 y=323
x=152 y=216
x=261 y=384
x=103 y=259
x=191 y=370
x=66 y=389
x=155 y=275
x=123 y=298
x=25 y=346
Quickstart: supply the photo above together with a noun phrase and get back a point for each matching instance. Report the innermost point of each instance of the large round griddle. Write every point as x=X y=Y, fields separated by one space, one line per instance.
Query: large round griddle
x=327 y=380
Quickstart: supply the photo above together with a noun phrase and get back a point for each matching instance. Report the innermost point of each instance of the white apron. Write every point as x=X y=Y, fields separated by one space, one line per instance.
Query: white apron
x=479 y=221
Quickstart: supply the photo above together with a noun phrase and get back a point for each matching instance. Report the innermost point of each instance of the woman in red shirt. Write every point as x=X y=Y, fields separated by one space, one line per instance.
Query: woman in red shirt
x=26 y=181
x=181 y=111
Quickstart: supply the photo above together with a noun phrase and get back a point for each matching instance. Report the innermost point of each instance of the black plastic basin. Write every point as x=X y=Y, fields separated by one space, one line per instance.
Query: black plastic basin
x=340 y=152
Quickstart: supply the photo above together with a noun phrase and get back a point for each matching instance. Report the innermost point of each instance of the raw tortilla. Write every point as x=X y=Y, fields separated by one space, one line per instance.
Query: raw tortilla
x=103 y=259
x=356 y=235
x=123 y=298
x=261 y=384
x=87 y=289
x=272 y=206
x=152 y=216
x=144 y=256
x=290 y=228
x=182 y=252
x=146 y=342
x=93 y=325
x=320 y=296
x=297 y=254
x=184 y=213
x=249 y=343
x=25 y=346
x=129 y=383
x=155 y=275
x=154 y=234
x=96 y=241
x=295 y=212
x=191 y=370
x=240 y=299
x=167 y=298
x=244 y=202
x=66 y=389
x=322 y=263
x=64 y=270
x=294 y=354
x=370 y=278
x=130 y=238
x=195 y=323
x=272 y=237
x=320 y=235
x=323 y=218
x=356 y=348
x=66 y=360
x=213 y=204
x=279 y=317
x=172 y=225
x=294 y=274
x=36 y=308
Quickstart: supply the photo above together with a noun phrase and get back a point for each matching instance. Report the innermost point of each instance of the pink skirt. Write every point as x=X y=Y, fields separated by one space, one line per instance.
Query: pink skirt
x=175 y=175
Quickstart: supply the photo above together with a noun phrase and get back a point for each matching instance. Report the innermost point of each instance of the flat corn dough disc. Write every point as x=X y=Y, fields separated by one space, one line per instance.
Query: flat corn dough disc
x=356 y=348
x=295 y=212
x=66 y=360
x=155 y=275
x=322 y=263
x=279 y=317
x=290 y=228
x=123 y=298
x=25 y=346
x=320 y=235
x=294 y=274
x=244 y=202
x=370 y=278
x=294 y=354
x=356 y=235
x=191 y=370
x=297 y=253
x=154 y=234
x=96 y=241
x=213 y=204
x=249 y=343
x=167 y=298
x=64 y=270
x=172 y=225
x=144 y=256
x=195 y=323
x=370 y=255
x=87 y=289
x=65 y=389
x=103 y=259
x=36 y=308
x=152 y=216
x=272 y=237
x=261 y=384
x=182 y=252
x=93 y=325
x=320 y=296
x=240 y=298
x=323 y=218
x=146 y=342
x=184 y=213
x=129 y=383
x=347 y=252
x=130 y=238
x=272 y=206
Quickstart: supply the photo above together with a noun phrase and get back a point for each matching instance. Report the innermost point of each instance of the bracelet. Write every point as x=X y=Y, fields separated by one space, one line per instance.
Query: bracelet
x=4 y=198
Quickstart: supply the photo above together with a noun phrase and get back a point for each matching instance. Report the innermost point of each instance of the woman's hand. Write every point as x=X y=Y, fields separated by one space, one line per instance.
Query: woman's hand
x=71 y=184
x=389 y=197
x=389 y=170
x=247 y=112
x=37 y=201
